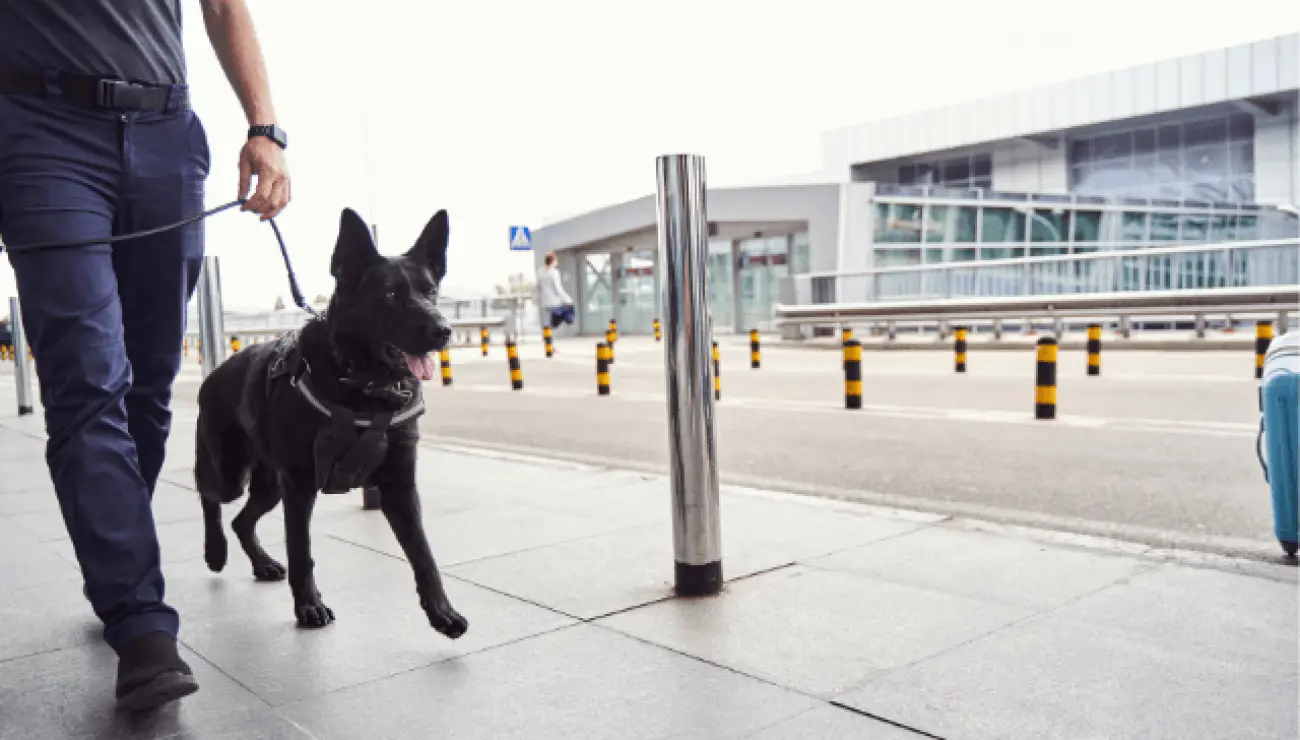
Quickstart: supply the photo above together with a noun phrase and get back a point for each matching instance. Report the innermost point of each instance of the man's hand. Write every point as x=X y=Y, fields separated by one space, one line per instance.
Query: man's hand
x=264 y=158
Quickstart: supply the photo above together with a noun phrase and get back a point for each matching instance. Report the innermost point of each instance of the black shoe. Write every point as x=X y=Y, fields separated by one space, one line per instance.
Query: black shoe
x=150 y=673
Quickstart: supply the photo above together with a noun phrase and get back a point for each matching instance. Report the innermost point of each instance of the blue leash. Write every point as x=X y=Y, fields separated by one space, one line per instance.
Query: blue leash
x=298 y=298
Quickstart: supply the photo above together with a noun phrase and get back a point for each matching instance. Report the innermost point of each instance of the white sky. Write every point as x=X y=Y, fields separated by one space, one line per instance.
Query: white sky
x=519 y=112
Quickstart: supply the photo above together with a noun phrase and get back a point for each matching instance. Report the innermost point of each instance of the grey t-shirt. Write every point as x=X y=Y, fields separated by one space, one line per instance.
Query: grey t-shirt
x=136 y=40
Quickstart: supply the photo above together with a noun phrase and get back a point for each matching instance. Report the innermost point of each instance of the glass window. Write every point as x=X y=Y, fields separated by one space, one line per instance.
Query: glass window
x=963 y=254
x=898 y=223
x=1086 y=226
x=1221 y=228
x=933 y=256
x=800 y=257
x=1133 y=227
x=1164 y=227
x=1001 y=253
x=1047 y=226
x=1247 y=228
x=1196 y=227
x=1213 y=132
x=936 y=224
x=981 y=166
x=1002 y=225
x=1144 y=141
x=1081 y=150
x=1241 y=127
x=895 y=257
x=956 y=171
x=907 y=174
x=1046 y=251
x=1112 y=146
x=964 y=225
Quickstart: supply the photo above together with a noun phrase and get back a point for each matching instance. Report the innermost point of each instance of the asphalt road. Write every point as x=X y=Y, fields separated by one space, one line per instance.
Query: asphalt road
x=1159 y=449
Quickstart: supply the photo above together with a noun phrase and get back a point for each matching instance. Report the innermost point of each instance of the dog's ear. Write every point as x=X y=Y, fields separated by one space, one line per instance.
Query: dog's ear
x=355 y=249
x=431 y=248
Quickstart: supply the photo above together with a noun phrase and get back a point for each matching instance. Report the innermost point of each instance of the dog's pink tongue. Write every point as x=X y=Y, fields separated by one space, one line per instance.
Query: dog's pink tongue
x=421 y=367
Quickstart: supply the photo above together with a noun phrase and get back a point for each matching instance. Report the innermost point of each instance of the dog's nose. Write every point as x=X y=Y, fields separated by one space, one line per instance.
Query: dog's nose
x=441 y=334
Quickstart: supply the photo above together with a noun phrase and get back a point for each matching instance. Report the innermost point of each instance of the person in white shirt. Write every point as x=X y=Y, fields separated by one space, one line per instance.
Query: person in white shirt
x=556 y=305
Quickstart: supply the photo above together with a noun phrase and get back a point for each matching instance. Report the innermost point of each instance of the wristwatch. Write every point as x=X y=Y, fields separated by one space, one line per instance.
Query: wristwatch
x=272 y=132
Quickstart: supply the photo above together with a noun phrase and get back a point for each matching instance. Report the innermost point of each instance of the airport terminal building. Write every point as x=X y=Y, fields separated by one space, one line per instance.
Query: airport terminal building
x=1201 y=149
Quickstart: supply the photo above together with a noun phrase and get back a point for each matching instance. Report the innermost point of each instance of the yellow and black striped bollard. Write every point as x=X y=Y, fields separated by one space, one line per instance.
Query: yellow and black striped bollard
x=1045 y=383
x=234 y=344
x=444 y=359
x=1094 y=349
x=852 y=374
x=483 y=339
x=848 y=335
x=516 y=372
x=959 y=348
x=1263 y=338
x=717 y=373
x=610 y=337
x=754 y=355
x=659 y=333
x=602 y=368
x=547 y=339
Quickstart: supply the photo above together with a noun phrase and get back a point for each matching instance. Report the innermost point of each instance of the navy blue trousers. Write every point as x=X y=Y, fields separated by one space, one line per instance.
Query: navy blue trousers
x=105 y=322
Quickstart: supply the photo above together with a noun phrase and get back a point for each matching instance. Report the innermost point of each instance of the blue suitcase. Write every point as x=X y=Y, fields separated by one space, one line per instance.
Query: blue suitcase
x=1279 y=435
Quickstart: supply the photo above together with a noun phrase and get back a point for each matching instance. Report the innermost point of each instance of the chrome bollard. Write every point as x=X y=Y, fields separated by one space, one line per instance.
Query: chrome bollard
x=22 y=365
x=212 y=328
x=688 y=332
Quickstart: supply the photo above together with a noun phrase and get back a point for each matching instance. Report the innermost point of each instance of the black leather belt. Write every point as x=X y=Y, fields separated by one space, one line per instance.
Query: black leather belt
x=95 y=92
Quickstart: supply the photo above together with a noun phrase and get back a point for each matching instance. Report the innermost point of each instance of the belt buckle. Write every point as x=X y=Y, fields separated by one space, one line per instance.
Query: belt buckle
x=119 y=95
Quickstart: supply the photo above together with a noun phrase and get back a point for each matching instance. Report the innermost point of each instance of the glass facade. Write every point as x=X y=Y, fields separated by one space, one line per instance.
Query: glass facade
x=1211 y=159
x=938 y=226
x=963 y=172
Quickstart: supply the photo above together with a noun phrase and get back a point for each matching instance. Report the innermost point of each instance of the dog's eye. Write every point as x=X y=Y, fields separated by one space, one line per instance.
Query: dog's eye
x=391 y=295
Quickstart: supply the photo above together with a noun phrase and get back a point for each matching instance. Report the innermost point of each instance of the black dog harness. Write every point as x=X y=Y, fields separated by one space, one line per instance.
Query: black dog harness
x=350 y=447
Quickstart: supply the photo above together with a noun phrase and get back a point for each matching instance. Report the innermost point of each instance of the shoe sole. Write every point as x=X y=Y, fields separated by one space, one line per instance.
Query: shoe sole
x=163 y=688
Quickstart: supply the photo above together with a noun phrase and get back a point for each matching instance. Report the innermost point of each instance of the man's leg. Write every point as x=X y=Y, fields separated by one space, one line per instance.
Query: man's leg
x=59 y=169
x=167 y=163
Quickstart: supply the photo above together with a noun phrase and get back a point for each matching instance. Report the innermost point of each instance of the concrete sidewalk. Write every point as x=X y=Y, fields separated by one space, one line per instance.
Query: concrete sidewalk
x=838 y=621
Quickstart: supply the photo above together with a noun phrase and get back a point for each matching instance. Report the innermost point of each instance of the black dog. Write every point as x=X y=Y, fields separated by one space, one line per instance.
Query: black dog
x=331 y=407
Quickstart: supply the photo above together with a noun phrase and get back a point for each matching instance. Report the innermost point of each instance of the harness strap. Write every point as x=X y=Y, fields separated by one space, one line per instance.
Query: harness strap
x=406 y=414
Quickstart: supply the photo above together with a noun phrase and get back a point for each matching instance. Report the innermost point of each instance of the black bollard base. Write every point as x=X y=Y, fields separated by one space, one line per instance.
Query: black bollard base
x=370 y=498
x=1289 y=548
x=25 y=410
x=697 y=580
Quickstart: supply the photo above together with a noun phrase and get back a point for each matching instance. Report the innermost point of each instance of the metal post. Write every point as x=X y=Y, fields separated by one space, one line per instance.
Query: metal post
x=22 y=366
x=212 y=328
x=688 y=335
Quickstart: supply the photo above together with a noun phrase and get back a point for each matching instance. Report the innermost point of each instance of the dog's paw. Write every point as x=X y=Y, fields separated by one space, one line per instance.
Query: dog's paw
x=445 y=619
x=214 y=553
x=314 y=614
x=269 y=570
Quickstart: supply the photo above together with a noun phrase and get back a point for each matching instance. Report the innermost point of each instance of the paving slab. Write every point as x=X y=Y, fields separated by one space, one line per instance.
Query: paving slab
x=580 y=683
x=1250 y=619
x=491 y=529
x=595 y=576
x=69 y=694
x=816 y=631
x=380 y=630
x=1008 y=570
x=834 y=723
x=25 y=562
x=1056 y=678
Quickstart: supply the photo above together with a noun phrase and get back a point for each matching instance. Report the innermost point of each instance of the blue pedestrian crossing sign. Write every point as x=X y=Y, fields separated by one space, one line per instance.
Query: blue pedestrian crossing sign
x=521 y=239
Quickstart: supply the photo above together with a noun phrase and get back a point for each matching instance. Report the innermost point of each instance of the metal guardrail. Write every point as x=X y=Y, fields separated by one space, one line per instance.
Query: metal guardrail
x=1117 y=269
x=1191 y=303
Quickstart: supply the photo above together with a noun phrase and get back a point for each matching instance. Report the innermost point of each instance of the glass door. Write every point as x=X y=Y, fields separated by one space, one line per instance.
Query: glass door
x=596 y=304
x=636 y=293
x=762 y=263
x=721 y=293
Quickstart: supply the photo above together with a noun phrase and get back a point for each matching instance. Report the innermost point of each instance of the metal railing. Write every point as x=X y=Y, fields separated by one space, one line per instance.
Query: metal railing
x=1117 y=269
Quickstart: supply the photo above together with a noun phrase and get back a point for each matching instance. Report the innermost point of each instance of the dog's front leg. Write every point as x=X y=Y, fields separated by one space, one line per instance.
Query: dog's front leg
x=400 y=503
x=299 y=500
